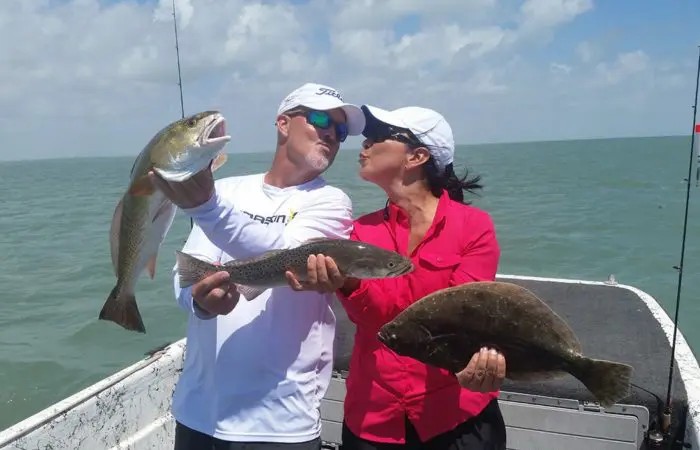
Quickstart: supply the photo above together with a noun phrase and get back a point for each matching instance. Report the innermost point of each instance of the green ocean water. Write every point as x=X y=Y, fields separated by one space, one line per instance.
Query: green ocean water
x=572 y=209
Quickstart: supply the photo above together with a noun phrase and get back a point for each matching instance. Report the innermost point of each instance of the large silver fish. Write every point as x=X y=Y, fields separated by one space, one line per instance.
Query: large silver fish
x=144 y=215
x=446 y=327
x=255 y=275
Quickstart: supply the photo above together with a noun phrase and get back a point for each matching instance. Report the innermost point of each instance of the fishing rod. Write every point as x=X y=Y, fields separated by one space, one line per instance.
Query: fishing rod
x=179 y=77
x=177 y=52
x=667 y=410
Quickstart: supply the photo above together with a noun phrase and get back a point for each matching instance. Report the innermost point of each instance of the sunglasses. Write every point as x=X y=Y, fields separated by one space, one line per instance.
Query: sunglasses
x=381 y=134
x=323 y=120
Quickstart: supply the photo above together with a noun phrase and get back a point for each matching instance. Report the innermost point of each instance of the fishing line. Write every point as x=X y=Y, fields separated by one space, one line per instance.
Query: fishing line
x=179 y=77
x=667 y=411
x=177 y=52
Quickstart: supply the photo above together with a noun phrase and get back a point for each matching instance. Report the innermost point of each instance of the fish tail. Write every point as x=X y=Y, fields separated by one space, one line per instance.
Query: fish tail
x=250 y=293
x=190 y=269
x=608 y=381
x=122 y=309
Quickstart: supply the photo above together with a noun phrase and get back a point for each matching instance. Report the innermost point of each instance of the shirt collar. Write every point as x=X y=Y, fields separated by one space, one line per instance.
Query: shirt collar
x=394 y=214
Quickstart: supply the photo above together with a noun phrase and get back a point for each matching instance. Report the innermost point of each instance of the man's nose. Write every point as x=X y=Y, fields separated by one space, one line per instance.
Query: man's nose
x=329 y=133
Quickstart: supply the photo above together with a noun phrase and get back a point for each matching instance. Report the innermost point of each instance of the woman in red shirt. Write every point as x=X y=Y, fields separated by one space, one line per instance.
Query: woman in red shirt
x=394 y=401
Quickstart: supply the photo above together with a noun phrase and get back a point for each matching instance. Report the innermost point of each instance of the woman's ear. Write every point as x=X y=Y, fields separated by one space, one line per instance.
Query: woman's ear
x=417 y=157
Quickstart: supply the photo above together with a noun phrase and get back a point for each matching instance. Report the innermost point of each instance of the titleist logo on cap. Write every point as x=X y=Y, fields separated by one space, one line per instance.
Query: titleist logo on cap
x=329 y=91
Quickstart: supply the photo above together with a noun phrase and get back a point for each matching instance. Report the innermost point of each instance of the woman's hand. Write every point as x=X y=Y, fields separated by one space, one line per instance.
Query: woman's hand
x=485 y=371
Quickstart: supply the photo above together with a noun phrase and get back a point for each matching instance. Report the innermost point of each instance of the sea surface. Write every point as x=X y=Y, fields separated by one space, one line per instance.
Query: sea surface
x=573 y=209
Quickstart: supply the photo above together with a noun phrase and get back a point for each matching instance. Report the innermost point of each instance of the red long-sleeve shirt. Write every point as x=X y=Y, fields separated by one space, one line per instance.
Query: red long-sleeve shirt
x=460 y=246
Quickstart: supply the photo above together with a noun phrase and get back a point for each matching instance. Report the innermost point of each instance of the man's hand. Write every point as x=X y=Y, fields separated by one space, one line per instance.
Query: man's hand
x=323 y=276
x=485 y=371
x=189 y=193
x=215 y=294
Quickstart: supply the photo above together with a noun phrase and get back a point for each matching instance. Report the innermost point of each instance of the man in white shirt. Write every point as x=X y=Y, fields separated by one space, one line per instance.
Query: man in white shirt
x=256 y=371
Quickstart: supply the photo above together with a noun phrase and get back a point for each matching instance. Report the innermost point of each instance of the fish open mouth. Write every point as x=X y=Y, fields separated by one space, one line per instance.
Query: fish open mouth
x=215 y=131
x=402 y=270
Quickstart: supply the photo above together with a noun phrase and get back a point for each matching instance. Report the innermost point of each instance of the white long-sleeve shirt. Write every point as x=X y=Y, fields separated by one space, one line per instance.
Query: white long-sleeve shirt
x=260 y=372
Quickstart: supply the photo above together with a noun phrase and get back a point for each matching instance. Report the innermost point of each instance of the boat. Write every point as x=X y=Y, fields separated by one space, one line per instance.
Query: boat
x=131 y=408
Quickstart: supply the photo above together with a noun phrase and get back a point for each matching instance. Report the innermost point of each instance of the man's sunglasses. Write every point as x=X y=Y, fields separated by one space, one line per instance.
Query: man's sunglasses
x=323 y=120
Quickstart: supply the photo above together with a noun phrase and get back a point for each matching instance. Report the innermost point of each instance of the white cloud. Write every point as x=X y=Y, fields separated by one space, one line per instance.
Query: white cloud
x=585 y=51
x=90 y=77
x=537 y=14
x=432 y=47
x=484 y=82
x=378 y=13
x=625 y=66
x=558 y=68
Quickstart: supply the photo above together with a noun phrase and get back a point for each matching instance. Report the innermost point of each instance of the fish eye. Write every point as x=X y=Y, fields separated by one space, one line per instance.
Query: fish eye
x=391 y=264
x=192 y=122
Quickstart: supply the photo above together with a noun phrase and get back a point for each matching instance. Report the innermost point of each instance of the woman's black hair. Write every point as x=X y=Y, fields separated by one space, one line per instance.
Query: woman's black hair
x=437 y=182
x=448 y=180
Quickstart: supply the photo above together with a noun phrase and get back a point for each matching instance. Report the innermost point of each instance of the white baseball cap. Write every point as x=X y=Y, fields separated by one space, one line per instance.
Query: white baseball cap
x=322 y=98
x=429 y=126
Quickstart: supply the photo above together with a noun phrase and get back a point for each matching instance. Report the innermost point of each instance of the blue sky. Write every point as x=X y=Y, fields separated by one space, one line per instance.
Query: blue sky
x=98 y=78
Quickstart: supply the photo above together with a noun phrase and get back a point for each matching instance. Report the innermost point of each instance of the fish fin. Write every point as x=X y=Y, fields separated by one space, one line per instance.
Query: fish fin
x=122 y=309
x=151 y=265
x=534 y=376
x=259 y=257
x=133 y=166
x=141 y=186
x=219 y=161
x=249 y=292
x=608 y=381
x=268 y=253
x=114 y=235
x=163 y=213
x=165 y=208
x=190 y=269
x=173 y=175
x=317 y=239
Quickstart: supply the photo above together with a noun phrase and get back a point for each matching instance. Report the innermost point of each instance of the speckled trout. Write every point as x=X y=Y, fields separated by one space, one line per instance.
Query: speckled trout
x=254 y=275
x=144 y=215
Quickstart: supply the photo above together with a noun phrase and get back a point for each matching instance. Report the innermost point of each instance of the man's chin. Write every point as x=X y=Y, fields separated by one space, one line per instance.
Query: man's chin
x=317 y=162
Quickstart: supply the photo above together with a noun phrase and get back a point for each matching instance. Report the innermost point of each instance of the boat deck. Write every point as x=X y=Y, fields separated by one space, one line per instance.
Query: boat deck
x=131 y=409
x=611 y=323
